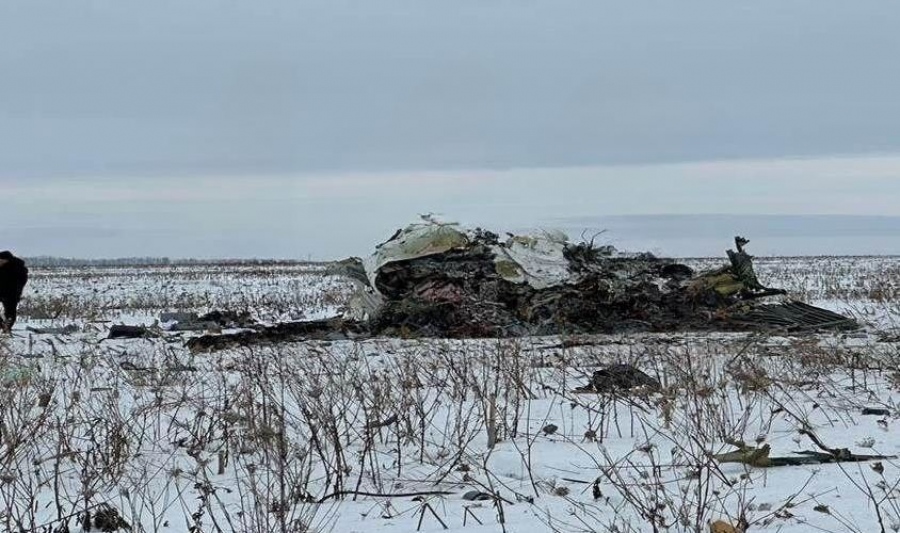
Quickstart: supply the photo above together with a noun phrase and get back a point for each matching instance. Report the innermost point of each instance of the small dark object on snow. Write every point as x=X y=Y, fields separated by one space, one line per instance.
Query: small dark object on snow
x=872 y=411
x=105 y=518
x=194 y=326
x=550 y=429
x=178 y=316
x=229 y=319
x=65 y=330
x=477 y=496
x=127 y=332
x=619 y=378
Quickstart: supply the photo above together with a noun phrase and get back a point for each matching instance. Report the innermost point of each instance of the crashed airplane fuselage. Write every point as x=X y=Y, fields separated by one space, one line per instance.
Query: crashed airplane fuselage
x=441 y=280
x=437 y=279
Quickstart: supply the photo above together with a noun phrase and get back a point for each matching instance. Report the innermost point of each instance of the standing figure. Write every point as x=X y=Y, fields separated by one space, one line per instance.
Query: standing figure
x=13 y=277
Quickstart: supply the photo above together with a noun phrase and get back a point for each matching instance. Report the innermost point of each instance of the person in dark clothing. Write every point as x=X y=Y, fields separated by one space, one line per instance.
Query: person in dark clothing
x=13 y=277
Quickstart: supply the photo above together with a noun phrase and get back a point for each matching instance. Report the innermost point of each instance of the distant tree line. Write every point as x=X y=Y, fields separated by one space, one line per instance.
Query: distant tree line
x=71 y=262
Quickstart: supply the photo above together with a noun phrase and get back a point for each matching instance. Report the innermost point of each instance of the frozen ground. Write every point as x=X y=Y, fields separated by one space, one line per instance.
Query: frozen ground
x=392 y=435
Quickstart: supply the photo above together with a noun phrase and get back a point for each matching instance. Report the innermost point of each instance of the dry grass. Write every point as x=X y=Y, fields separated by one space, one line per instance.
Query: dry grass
x=284 y=438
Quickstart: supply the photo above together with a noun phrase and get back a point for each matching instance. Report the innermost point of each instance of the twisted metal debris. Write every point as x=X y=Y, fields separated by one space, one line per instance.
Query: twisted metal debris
x=441 y=280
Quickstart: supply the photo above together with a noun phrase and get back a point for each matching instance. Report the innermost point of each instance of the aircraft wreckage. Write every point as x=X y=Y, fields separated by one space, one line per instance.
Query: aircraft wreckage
x=441 y=280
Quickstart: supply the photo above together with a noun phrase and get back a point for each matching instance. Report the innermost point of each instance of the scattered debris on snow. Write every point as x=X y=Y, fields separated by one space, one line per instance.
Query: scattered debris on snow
x=121 y=331
x=64 y=330
x=620 y=378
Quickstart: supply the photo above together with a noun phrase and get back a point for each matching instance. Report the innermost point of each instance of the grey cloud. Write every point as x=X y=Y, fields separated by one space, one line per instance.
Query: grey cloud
x=166 y=87
x=293 y=128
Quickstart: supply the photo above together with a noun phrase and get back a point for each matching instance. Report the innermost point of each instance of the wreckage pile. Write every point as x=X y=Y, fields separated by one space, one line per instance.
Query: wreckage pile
x=440 y=280
x=437 y=280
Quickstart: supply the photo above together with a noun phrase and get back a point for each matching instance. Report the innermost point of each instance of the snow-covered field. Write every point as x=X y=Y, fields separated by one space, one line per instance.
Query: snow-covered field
x=395 y=435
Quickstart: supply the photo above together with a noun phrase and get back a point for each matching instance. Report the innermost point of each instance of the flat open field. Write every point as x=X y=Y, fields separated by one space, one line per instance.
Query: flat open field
x=399 y=435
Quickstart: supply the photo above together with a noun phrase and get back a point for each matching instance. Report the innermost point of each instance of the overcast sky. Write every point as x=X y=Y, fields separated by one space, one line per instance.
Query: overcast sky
x=287 y=127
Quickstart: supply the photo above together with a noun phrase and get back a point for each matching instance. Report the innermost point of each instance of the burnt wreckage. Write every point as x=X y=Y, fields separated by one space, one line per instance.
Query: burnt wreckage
x=440 y=280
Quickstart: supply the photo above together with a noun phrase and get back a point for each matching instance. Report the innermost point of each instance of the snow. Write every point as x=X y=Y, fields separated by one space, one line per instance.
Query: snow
x=245 y=439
